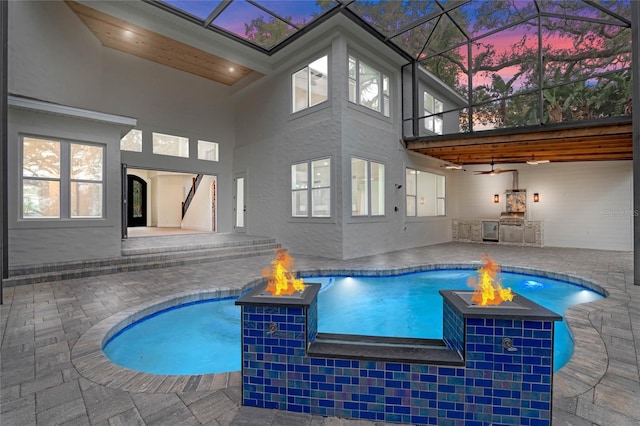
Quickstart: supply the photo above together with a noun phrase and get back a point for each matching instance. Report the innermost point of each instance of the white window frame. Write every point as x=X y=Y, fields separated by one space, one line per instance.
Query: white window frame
x=354 y=71
x=366 y=209
x=311 y=77
x=311 y=191
x=417 y=196
x=65 y=180
x=432 y=112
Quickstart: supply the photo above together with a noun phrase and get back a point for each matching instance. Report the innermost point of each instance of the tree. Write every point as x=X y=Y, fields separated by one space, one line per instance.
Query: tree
x=268 y=33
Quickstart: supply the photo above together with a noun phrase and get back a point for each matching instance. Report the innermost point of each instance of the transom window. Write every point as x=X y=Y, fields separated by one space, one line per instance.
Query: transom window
x=132 y=141
x=176 y=146
x=61 y=179
x=367 y=188
x=311 y=188
x=368 y=86
x=433 y=113
x=310 y=85
x=207 y=151
x=425 y=193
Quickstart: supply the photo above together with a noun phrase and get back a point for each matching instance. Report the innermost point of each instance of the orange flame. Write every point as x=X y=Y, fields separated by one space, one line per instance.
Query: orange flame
x=281 y=279
x=488 y=290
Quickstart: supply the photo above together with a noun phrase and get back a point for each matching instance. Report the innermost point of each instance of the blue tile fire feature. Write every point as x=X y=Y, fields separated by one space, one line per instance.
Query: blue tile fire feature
x=494 y=365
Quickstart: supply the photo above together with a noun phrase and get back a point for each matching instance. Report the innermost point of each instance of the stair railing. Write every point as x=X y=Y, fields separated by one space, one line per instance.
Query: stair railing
x=195 y=182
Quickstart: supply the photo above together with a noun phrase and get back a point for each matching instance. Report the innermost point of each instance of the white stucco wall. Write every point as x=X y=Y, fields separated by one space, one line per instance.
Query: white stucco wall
x=586 y=205
x=274 y=140
x=52 y=56
x=59 y=240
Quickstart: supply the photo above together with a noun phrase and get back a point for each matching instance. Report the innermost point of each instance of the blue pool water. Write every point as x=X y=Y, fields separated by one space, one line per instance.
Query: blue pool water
x=204 y=337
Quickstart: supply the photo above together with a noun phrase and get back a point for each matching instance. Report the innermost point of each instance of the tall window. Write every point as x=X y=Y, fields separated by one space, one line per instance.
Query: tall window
x=311 y=188
x=432 y=106
x=132 y=141
x=310 y=85
x=61 y=179
x=367 y=188
x=176 y=146
x=425 y=193
x=368 y=87
x=207 y=151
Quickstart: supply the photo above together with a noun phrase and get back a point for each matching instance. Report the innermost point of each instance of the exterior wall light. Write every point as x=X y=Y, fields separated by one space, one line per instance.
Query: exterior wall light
x=496 y=198
x=536 y=197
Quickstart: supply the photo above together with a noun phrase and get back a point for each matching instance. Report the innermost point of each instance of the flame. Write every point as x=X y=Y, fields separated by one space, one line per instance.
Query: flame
x=488 y=290
x=281 y=279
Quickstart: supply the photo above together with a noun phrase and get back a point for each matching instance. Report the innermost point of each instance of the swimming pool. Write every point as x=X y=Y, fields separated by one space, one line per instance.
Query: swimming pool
x=204 y=337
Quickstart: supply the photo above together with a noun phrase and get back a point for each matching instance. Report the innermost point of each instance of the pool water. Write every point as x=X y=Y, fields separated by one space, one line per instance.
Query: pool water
x=204 y=337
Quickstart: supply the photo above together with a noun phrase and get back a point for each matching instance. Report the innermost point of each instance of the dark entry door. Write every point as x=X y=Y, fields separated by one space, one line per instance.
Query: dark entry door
x=137 y=201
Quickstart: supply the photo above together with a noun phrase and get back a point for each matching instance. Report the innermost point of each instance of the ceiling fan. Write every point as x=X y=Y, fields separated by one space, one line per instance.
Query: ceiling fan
x=494 y=171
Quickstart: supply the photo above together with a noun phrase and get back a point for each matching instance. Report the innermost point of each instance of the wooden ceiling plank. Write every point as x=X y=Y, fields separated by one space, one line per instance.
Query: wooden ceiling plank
x=479 y=139
x=157 y=48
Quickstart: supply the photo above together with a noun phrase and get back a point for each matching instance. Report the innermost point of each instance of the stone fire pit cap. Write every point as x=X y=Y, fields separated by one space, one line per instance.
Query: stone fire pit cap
x=258 y=296
x=519 y=308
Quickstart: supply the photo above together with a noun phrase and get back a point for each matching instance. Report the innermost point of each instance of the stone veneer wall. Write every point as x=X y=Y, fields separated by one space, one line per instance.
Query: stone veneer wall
x=496 y=386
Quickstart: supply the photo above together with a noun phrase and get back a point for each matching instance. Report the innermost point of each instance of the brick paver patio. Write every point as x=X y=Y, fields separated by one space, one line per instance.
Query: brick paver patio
x=47 y=376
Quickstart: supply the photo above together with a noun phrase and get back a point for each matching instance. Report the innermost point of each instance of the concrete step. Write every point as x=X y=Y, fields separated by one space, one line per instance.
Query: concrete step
x=153 y=258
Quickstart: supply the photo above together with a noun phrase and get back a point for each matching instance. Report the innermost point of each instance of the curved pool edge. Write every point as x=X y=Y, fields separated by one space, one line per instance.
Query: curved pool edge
x=584 y=370
x=91 y=363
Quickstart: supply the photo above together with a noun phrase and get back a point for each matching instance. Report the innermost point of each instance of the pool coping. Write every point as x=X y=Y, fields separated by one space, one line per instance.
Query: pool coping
x=583 y=371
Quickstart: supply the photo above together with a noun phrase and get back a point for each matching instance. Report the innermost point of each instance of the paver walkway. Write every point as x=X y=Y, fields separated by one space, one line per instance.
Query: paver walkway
x=41 y=324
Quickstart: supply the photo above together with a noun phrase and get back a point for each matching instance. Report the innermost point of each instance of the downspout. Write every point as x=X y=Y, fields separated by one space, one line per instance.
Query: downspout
x=4 y=203
x=635 y=66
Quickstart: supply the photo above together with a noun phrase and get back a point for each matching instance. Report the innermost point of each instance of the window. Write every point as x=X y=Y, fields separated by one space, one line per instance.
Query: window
x=367 y=188
x=311 y=200
x=432 y=106
x=207 y=151
x=310 y=85
x=61 y=179
x=368 y=87
x=425 y=193
x=132 y=141
x=175 y=146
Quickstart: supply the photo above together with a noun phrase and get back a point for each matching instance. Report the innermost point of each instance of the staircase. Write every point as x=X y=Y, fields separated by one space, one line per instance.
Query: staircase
x=146 y=253
x=195 y=183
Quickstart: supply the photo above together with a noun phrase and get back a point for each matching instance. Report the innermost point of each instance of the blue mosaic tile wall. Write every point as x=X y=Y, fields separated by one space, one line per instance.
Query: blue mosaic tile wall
x=452 y=328
x=508 y=386
x=496 y=386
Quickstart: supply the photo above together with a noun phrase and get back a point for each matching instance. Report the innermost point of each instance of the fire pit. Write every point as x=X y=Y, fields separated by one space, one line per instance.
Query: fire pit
x=468 y=297
x=493 y=365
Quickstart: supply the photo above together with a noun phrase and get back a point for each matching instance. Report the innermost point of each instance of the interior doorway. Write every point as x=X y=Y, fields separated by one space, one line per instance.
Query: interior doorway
x=160 y=202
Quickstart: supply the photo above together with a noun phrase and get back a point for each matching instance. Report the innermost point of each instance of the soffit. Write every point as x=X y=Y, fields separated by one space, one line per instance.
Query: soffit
x=595 y=142
x=126 y=37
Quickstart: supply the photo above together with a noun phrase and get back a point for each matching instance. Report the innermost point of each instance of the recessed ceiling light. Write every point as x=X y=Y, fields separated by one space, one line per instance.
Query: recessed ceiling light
x=231 y=69
x=128 y=33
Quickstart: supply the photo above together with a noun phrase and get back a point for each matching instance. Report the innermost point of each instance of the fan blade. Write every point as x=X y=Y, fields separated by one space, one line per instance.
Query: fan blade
x=496 y=171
